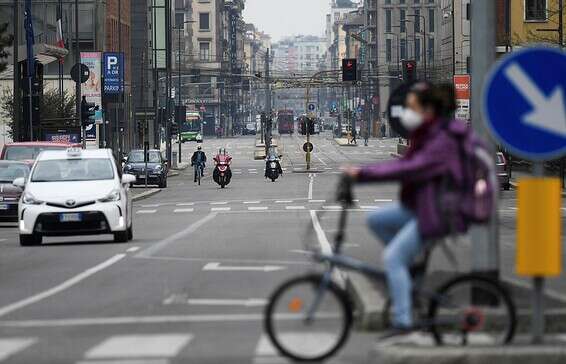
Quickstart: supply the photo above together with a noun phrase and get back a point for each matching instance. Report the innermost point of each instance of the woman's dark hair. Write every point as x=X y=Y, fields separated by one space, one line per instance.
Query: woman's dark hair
x=441 y=98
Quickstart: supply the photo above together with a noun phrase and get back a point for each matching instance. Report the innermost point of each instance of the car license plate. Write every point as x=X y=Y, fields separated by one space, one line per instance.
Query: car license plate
x=74 y=217
x=4 y=206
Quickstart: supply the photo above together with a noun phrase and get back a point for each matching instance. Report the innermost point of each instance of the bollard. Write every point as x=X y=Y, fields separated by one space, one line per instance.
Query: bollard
x=174 y=160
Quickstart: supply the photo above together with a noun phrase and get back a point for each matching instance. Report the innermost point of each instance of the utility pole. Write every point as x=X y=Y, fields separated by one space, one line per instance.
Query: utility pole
x=119 y=112
x=16 y=132
x=78 y=83
x=168 y=27
x=267 y=103
x=30 y=63
x=485 y=239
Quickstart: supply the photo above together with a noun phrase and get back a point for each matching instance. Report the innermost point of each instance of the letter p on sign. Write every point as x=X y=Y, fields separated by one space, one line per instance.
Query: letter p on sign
x=112 y=61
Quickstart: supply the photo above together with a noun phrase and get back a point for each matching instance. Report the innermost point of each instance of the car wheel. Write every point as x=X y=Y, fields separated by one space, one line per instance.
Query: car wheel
x=121 y=236
x=131 y=232
x=30 y=240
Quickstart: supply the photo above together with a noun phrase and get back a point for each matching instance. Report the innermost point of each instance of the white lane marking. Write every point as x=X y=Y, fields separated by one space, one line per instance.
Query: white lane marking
x=237 y=172
x=152 y=205
x=140 y=346
x=332 y=207
x=325 y=247
x=321 y=161
x=10 y=346
x=302 y=342
x=180 y=211
x=328 y=168
x=369 y=207
x=252 y=170
x=61 y=287
x=258 y=208
x=181 y=234
x=251 y=202
x=185 y=204
x=317 y=201
x=146 y=212
x=133 y=249
x=294 y=207
x=219 y=203
x=3 y=239
x=218 y=209
x=215 y=266
x=311 y=182
x=278 y=201
x=383 y=200
x=250 y=302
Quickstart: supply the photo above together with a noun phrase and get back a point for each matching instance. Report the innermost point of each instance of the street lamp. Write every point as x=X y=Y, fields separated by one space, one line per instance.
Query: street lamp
x=180 y=28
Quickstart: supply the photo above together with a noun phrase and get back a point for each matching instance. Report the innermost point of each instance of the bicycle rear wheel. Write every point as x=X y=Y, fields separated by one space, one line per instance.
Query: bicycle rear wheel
x=299 y=337
x=199 y=175
x=472 y=310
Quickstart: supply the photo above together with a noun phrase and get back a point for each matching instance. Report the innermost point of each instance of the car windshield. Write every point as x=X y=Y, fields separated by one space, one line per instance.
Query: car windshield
x=10 y=171
x=137 y=157
x=21 y=153
x=58 y=170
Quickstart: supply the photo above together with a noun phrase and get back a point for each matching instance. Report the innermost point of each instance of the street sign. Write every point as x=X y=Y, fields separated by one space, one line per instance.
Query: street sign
x=80 y=72
x=311 y=107
x=308 y=147
x=113 y=72
x=524 y=106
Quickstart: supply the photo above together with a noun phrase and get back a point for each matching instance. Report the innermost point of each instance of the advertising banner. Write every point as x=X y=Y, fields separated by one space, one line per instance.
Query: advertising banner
x=463 y=93
x=91 y=89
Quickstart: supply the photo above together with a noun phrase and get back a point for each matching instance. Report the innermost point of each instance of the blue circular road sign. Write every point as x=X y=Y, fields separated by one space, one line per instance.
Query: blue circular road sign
x=312 y=107
x=524 y=103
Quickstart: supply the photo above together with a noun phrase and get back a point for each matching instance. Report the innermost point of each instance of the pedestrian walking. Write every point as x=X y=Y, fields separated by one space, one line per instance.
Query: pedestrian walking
x=383 y=130
x=365 y=135
x=354 y=135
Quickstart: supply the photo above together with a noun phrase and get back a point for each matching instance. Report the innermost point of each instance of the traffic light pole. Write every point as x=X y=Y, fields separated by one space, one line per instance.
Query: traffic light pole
x=78 y=83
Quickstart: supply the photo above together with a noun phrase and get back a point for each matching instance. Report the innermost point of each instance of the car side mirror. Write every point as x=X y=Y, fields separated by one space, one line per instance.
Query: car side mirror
x=124 y=159
x=128 y=178
x=19 y=182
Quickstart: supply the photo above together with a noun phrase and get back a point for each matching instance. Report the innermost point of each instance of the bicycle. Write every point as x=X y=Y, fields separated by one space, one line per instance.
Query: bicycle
x=198 y=172
x=309 y=318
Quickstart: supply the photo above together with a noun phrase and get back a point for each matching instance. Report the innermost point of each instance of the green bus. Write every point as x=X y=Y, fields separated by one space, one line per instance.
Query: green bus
x=191 y=129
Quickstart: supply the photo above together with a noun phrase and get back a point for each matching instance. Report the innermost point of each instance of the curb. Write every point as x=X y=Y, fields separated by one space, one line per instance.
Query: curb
x=172 y=173
x=146 y=194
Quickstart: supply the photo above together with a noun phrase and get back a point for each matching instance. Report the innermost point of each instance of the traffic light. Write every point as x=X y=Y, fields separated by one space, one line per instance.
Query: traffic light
x=349 y=69
x=409 y=71
x=88 y=109
x=174 y=128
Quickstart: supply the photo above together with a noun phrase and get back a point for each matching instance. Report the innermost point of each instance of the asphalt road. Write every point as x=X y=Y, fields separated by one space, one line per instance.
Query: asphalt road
x=191 y=286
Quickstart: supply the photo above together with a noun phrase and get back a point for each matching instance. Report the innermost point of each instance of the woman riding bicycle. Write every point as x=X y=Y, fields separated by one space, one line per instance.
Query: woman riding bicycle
x=432 y=158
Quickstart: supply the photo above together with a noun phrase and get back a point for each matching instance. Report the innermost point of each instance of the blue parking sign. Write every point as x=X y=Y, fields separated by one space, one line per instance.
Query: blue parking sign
x=113 y=72
x=524 y=103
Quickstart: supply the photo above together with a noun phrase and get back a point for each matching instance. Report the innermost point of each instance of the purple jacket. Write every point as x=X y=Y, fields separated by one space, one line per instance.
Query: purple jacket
x=422 y=174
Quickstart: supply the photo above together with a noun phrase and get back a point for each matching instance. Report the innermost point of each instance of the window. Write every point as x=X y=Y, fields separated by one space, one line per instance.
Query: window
x=417 y=21
x=418 y=49
x=403 y=46
x=388 y=21
x=204 y=51
x=535 y=10
x=388 y=50
x=402 y=18
x=204 y=21
x=430 y=51
x=431 y=20
x=401 y=2
x=180 y=20
x=387 y=2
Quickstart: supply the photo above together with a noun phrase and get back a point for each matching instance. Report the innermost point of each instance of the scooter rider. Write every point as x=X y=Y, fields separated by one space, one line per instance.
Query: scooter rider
x=198 y=158
x=272 y=157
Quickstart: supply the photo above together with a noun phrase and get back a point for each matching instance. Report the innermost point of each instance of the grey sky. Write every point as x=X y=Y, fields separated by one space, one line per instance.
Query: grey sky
x=280 y=18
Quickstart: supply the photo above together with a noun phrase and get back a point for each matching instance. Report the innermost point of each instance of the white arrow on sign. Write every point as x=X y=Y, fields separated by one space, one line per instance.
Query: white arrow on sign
x=549 y=113
x=215 y=266
x=250 y=302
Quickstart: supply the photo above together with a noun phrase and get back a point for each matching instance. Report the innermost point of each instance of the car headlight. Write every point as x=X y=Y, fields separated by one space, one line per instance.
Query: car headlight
x=112 y=196
x=158 y=169
x=28 y=199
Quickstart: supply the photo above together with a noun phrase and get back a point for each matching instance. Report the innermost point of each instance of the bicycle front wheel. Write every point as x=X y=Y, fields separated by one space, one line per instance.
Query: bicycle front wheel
x=306 y=321
x=472 y=310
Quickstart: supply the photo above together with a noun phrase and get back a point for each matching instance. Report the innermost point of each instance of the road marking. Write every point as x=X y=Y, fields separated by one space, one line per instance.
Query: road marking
x=369 y=207
x=218 y=209
x=146 y=212
x=140 y=346
x=311 y=182
x=300 y=341
x=250 y=302
x=321 y=161
x=294 y=207
x=215 y=266
x=153 y=205
x=383 y=200
x=317 y=201
x=180 y=211
x=328 y=168
x=332 y=207
x=61 y=287
x=325 y=247
x=10 y=346
x=251 y=202
x=278 y=201
x=219 y=203
x=257 y=208
x=133 y=249
x=185 y=204
x=3 y=239
x=181 y=234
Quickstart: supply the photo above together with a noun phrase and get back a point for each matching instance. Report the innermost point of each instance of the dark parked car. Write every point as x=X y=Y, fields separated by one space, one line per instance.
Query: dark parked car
x=10 y=194
x=156 y=167
x=502 y=173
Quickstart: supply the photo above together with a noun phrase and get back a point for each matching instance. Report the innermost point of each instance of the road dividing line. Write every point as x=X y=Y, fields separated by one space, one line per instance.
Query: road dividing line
x=133 y=249
x=383 y=200
x=311 y=182
x=251 y=202
x=61 y=287
x=257 y=208
x=317 y=201
x=250 y=302
x=181 y=211
x=181 y=234
x=294 y=207
x=279 y=201
x=219 y=203
x=185 y=204
x=216 y=266
x=325 y=247
x=139 y=346
x=219 y=209
x=332 y=207
x=10 y=346
x=3 y=239
x=146 y=212
x=369 y=207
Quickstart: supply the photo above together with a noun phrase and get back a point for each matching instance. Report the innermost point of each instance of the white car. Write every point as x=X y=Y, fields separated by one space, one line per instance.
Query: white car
x=74 y=192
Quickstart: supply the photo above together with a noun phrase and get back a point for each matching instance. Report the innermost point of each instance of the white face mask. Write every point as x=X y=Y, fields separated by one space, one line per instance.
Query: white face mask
x=411 y=120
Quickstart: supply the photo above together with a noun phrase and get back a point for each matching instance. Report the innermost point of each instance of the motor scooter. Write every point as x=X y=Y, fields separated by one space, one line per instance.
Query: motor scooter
x=222 y=173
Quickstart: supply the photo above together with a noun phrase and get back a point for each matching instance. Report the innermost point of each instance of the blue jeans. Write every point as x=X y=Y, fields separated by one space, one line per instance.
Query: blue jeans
x=398 y=228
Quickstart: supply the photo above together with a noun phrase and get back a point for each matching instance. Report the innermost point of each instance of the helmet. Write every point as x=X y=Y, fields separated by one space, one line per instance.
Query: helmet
x=199 y=148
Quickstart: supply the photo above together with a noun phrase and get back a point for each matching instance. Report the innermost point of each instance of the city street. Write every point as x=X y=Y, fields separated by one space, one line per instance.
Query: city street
x=192 y=285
